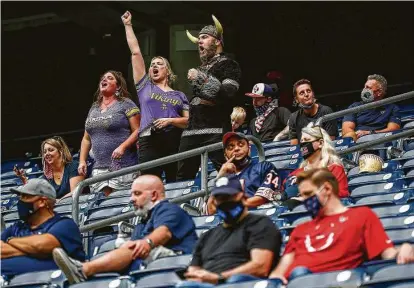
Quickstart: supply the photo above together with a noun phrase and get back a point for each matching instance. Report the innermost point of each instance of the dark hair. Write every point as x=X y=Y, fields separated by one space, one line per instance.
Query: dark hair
x=318 y=177
x=122 y=86
x=300 y=82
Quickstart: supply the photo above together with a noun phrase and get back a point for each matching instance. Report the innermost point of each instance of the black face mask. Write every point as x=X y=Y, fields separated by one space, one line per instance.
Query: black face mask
x=242 y=162
x=25 y=210
x=230 y=212
x=306 y=149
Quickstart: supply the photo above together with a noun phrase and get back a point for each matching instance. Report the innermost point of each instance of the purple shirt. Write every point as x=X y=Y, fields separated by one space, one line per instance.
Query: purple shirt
x=110 y=129
x=156 y=103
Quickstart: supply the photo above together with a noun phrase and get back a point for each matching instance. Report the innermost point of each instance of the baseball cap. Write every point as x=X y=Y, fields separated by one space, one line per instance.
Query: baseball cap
x=36 y=187
x=228 y=135
x=263 y=90
x=227 y=185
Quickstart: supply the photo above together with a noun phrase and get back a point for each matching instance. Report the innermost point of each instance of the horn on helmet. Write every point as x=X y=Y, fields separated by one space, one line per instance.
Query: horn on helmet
x=192 y=38
x=218 y=26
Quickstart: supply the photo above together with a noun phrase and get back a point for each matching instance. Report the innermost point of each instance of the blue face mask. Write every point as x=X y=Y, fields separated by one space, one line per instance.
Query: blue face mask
x=230 y=212
x=25 y=210
x=261 y=109
x=313 y=205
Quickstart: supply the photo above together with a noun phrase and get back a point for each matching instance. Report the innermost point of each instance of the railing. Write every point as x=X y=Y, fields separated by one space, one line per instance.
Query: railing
x=203 y=151
x=364 y=107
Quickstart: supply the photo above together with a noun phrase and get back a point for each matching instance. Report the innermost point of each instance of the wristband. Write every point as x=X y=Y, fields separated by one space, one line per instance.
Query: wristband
x=372 y=132
x=150 y=243
x=221 y=279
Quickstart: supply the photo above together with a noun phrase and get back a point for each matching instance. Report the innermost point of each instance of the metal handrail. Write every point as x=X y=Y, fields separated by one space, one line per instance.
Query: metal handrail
x=364 y=107
x=157 y=162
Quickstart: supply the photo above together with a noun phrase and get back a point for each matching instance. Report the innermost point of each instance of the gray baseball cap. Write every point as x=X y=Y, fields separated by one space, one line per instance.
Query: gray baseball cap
x=36 y=187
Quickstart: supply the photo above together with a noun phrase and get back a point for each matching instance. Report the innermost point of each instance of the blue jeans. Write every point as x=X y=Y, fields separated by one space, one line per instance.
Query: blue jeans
x=233 y=279
x=299 y=271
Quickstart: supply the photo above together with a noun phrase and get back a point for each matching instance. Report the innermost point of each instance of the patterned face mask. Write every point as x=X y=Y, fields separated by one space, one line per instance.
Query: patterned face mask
x=313 y=205
x=262 y=109
x=367 y=95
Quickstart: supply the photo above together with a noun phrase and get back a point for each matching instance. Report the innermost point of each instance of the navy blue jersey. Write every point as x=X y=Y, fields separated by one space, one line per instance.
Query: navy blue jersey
x=374 y=119
x=260 y=179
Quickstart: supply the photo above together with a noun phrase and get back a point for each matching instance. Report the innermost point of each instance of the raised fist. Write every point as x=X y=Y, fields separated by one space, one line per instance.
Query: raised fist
x=126 y=18
x=192 y=74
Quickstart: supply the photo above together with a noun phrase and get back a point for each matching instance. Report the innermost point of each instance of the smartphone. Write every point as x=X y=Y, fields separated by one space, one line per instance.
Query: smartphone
x=180 y=273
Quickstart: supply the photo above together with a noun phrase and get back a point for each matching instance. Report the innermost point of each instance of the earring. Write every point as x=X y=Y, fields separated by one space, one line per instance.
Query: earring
x=117 y=93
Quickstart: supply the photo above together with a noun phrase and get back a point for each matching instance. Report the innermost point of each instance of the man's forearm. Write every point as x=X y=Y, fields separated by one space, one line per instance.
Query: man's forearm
x=36 y=245
x=251 y=268
x=160 y=236
x=8 y=251
x=255 y=201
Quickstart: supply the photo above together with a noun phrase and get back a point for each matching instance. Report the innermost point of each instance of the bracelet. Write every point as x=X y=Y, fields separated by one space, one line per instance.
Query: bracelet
x=130 y=24
x=150 y=243
x=221 y=279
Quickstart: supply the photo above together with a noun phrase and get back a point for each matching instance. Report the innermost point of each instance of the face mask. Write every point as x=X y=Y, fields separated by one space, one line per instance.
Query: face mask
x=242 y=162
x=303 y=106
x=230 y=212
x=367 y=95
x=25 y=210
x=261 y=109
x=306 y=149
x=313 y=205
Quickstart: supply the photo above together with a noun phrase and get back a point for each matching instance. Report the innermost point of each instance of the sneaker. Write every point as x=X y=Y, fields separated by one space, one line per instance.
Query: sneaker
x=70 y=267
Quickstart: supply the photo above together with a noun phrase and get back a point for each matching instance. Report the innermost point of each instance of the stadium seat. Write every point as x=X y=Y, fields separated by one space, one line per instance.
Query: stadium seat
x=179 y=185
x=287 y=164
x=371 y=267
x=272 y=212
x=274 y=144
x=392 y=198
x=110 y=281
x=376 y=189
x=206 y=221
x=274 y=283
x=282 y=151
x=39 y=278
x=169 y=194
x=399 y=236
x=404 y=285
x=398 y=222
x=346 y=278
x=284 y=157
x=394 y=210
x=370 y=178
x=389 y=275
x=166 y=262
x=388 y=167
x=158 y=280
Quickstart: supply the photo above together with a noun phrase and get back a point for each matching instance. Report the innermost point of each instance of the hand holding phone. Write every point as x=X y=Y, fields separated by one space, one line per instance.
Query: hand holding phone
x=180 y=272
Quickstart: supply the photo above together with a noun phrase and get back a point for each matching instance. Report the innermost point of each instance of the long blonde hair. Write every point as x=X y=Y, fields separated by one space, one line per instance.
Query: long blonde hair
x=328 y=153
x=171 y=77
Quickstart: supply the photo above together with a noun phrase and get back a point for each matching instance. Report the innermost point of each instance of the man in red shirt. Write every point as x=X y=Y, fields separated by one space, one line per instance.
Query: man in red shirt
x=338 y=237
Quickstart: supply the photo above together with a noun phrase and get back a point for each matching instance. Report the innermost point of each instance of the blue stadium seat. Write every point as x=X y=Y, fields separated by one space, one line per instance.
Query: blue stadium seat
x=403 y=285
x=394 y=210
x=253 y=284
x=398 y=222
x=388 y=167
x=390 y=275
x=179 y=185
x=98 y=251
x=399 y=236
x=283 y=157
x=371 y=178
x=371 y=267
x=200 y=231
x=105 y=282
x=39 y=278
x=272 y=212
x=167 y=262
x=346 y=278
x=409 y=125
x=158 y=280
x=282 y=151
x=408 y=165
x=206 y=221
x=391 y=198
x=287 y=164
x=376 y=189
x=274 y=144
x=169 y=194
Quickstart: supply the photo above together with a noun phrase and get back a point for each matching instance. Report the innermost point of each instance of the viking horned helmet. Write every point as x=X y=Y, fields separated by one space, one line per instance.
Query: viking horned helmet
x=216 y=31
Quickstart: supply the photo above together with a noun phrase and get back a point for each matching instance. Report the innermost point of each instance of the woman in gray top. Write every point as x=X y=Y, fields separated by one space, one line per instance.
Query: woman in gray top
x=111 y=131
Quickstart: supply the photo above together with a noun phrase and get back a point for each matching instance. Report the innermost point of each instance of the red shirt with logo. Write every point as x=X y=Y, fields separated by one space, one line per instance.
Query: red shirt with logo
x=337 y=170
x=337 y=242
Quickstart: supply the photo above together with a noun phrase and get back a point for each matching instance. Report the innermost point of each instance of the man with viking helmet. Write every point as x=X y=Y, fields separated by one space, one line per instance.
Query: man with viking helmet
x=214 y=84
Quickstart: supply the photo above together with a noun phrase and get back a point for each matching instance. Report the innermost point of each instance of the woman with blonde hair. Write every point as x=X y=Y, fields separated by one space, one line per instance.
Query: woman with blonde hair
x=58 y=167
x=317 y=151
x=164 y=111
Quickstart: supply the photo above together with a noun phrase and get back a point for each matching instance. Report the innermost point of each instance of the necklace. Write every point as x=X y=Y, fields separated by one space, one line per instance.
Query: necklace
x=107 y=104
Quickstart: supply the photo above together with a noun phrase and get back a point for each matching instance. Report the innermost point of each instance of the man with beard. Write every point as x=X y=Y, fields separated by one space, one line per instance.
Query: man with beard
x=214 y=86
x=167 y=231
x=259 y=179
x=271 y=119
x=377 y=120
x=309 y=111
x=244 y=247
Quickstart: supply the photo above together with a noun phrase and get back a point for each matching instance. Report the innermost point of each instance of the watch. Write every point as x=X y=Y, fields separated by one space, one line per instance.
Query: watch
x=221 y=279
x=150 y=243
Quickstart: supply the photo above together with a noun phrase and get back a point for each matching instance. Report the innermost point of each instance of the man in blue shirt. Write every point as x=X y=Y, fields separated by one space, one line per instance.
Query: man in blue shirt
x=27 y=245
x=260 y=180
x=378 y=120
x=167 y=231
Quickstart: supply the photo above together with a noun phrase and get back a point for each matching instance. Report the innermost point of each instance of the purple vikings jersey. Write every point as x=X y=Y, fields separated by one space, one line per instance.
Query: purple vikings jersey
x=260 y=179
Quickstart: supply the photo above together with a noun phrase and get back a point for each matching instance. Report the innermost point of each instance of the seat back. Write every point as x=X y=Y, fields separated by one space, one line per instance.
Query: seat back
x=345 y=278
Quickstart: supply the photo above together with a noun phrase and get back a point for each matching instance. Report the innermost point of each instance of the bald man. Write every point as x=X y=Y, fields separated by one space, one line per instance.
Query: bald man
x=167 y=231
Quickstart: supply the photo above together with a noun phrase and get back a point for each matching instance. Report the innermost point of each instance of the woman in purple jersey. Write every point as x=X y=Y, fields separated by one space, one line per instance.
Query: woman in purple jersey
x=164 y=111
